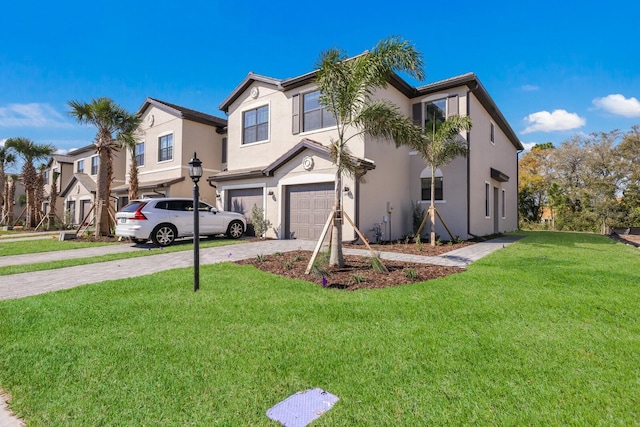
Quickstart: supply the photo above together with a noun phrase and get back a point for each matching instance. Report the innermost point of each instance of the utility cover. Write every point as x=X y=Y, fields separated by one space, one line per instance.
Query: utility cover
x=300 y=409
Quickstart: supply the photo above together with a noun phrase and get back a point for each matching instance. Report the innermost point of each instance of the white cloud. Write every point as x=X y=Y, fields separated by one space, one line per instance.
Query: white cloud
x=31 y=115
x=528 y=145
x=619 y=105
x=2 y=141
x=530 y=88
x=544 y=121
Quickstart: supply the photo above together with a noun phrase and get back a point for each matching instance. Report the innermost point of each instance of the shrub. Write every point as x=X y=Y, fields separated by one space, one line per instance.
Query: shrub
x=376 y=264
x=357 y=278
x=320 y=266
x=411 y=273
x=260 y=223
x=260 y=257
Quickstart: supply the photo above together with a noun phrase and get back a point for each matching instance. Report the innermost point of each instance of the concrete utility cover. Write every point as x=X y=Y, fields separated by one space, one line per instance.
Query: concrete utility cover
x=303 y=407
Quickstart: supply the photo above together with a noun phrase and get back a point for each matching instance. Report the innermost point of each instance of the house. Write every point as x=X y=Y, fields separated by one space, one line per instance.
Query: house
x=278 y=159
x=79 y=192
x=171 y=134
x=62 y=165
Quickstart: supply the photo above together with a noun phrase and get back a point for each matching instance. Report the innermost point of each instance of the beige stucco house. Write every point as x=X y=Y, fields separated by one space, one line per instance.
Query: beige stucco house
x=63 y=165
x=170 y=134
x=79 y=192
x=278 y=159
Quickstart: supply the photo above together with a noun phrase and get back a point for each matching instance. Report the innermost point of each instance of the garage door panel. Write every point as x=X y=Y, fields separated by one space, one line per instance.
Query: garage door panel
x=308 y=207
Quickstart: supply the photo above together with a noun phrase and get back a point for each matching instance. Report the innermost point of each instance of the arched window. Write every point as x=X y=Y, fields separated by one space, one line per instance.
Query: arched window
x=425 y=183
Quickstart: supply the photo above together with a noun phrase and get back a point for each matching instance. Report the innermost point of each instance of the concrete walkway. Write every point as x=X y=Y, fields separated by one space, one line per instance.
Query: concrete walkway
x=28 y=284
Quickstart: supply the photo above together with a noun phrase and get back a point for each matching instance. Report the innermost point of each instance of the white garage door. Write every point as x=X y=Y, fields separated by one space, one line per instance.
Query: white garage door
x=307 y=209
x=242 y=201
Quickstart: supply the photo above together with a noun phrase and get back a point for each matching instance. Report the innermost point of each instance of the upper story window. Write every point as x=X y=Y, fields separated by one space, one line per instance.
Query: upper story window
x=165 y=148
x=223 y=157
x=425 y=185
x=435 y=112
x=492 y=132
x=94 y=165
x=315 y=115
x=46 y=176
x=139 y=154
x=255 y=125
x=80 y=166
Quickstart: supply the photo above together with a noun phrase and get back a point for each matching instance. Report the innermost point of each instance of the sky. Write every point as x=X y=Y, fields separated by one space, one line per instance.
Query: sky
x=556 y=69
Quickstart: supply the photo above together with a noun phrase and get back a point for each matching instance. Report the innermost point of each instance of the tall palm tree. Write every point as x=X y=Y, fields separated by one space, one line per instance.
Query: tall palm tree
x=113 y=123
x=129 y=142
x=347 y=88
x=10 y=196
x=438 y=146
x=7 y=158
x=30 y=152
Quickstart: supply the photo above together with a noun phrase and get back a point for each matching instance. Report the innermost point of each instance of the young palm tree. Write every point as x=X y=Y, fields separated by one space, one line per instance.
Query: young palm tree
x=30 y=152
x=6 y=159
x=53 y=196
x=113 y=124
x=347 y=88
x=129 y=142
x=438 y=146
x=10 y=196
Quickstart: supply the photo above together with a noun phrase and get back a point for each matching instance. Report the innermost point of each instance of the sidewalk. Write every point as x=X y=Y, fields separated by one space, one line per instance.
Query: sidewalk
x=38 y=282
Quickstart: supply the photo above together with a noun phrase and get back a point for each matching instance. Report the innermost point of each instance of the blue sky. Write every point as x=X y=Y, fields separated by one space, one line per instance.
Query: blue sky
x=555 y=68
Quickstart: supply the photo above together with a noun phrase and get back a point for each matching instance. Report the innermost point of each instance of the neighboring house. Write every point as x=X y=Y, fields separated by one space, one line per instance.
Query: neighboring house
x=170 y=136
x=78 y=194
x=278 y=159
x=62 y=164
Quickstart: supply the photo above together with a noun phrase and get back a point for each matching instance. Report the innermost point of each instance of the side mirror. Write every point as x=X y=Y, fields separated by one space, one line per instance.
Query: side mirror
x=214 y=211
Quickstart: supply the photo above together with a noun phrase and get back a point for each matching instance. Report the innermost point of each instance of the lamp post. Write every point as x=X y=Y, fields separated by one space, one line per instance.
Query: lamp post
x=195 y=172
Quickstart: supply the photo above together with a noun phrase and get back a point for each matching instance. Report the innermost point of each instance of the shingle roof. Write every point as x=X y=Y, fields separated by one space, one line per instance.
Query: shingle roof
x=184 y=113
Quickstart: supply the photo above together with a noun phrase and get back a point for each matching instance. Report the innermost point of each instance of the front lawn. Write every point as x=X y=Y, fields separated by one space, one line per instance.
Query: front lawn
x=544 y=332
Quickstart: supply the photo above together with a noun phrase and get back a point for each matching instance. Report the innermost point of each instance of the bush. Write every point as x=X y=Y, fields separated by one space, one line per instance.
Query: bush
x=260 y=223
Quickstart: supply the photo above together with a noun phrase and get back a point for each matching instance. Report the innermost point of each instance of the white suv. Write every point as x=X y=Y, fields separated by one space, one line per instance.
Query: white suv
x=163 y=220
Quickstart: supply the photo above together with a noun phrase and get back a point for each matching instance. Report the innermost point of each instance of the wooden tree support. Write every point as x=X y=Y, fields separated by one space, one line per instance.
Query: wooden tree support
x=324 y=233
x=84 y=225
x=19 y=216
x=427 y=215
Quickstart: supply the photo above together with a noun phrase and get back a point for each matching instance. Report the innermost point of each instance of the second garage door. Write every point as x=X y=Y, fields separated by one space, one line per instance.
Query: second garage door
x=242 y=201
x=307 y=209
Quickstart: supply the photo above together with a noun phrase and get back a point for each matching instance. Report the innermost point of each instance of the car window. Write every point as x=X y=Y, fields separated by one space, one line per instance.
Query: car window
x=162 y=205
x=180 y=205
x=203 y=207
x=133 y=206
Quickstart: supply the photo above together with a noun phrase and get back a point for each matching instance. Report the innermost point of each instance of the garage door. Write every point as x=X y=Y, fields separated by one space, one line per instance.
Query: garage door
x=307 y=209
x=242 y=201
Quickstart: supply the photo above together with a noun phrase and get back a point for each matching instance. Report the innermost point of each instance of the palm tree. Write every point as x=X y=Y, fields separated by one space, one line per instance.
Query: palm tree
x=110 y=119
x=129 y=142
x=346 y=88
x=10 y=196
x=6 y=159
x=30 y=152
x=53 y=196
x=438 y=146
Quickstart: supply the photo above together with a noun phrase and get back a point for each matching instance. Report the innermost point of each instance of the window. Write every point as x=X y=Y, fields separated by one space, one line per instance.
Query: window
x=315 y=115
x=435 y=112
x=487 y=211
x=139 y=154
x=94 y=165
x=255 y=125
x=492 y=133
x=46 y=176
x=165 y=148
x=224 y=150
x=80 y=166
x=504 y=204
x=426 y=188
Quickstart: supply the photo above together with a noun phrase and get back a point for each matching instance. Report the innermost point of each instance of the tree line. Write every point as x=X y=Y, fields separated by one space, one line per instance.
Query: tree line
x=587 y=183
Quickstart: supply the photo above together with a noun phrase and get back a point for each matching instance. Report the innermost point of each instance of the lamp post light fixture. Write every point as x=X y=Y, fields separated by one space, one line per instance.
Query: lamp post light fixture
x=195 y=172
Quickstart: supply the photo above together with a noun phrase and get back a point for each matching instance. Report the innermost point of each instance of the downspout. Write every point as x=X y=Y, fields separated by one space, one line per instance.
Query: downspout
x=469 y=164
x=517 y=190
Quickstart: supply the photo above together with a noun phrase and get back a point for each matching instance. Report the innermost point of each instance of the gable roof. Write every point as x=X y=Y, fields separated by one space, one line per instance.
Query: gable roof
x=149 y=185
x=184 y=113
x=60 y=158
x=82 y=179
x=304 y=144
x=244 y=85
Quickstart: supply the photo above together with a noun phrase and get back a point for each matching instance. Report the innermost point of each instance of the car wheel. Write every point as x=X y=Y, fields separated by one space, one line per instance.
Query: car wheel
x=164 y=234
x=235 y=230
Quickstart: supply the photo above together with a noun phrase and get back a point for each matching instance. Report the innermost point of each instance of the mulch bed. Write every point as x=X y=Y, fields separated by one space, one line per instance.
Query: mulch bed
x=357 y=272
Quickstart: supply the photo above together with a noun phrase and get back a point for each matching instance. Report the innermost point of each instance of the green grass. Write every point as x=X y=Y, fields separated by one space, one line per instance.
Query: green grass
x=545 y=332
x=9 y=247
x=50 y=265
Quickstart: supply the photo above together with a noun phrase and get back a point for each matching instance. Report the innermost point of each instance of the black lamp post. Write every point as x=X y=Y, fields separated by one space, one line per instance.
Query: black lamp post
x=195 y=172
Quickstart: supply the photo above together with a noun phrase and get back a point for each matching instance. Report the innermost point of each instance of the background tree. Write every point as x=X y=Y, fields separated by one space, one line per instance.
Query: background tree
x=38 y=198
x=438 y=146
x=346 y=89
x=30 y=152
x=7 y=158
x=53 y=196
x=628 y=152
x=115 y=125
x=129 y=141
x=534 y=181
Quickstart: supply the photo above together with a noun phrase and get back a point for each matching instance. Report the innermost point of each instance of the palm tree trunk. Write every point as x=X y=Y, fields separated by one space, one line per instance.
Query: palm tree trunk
x=432 y=208
x=11 y=198
x=133 y=178
x=336 y=258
